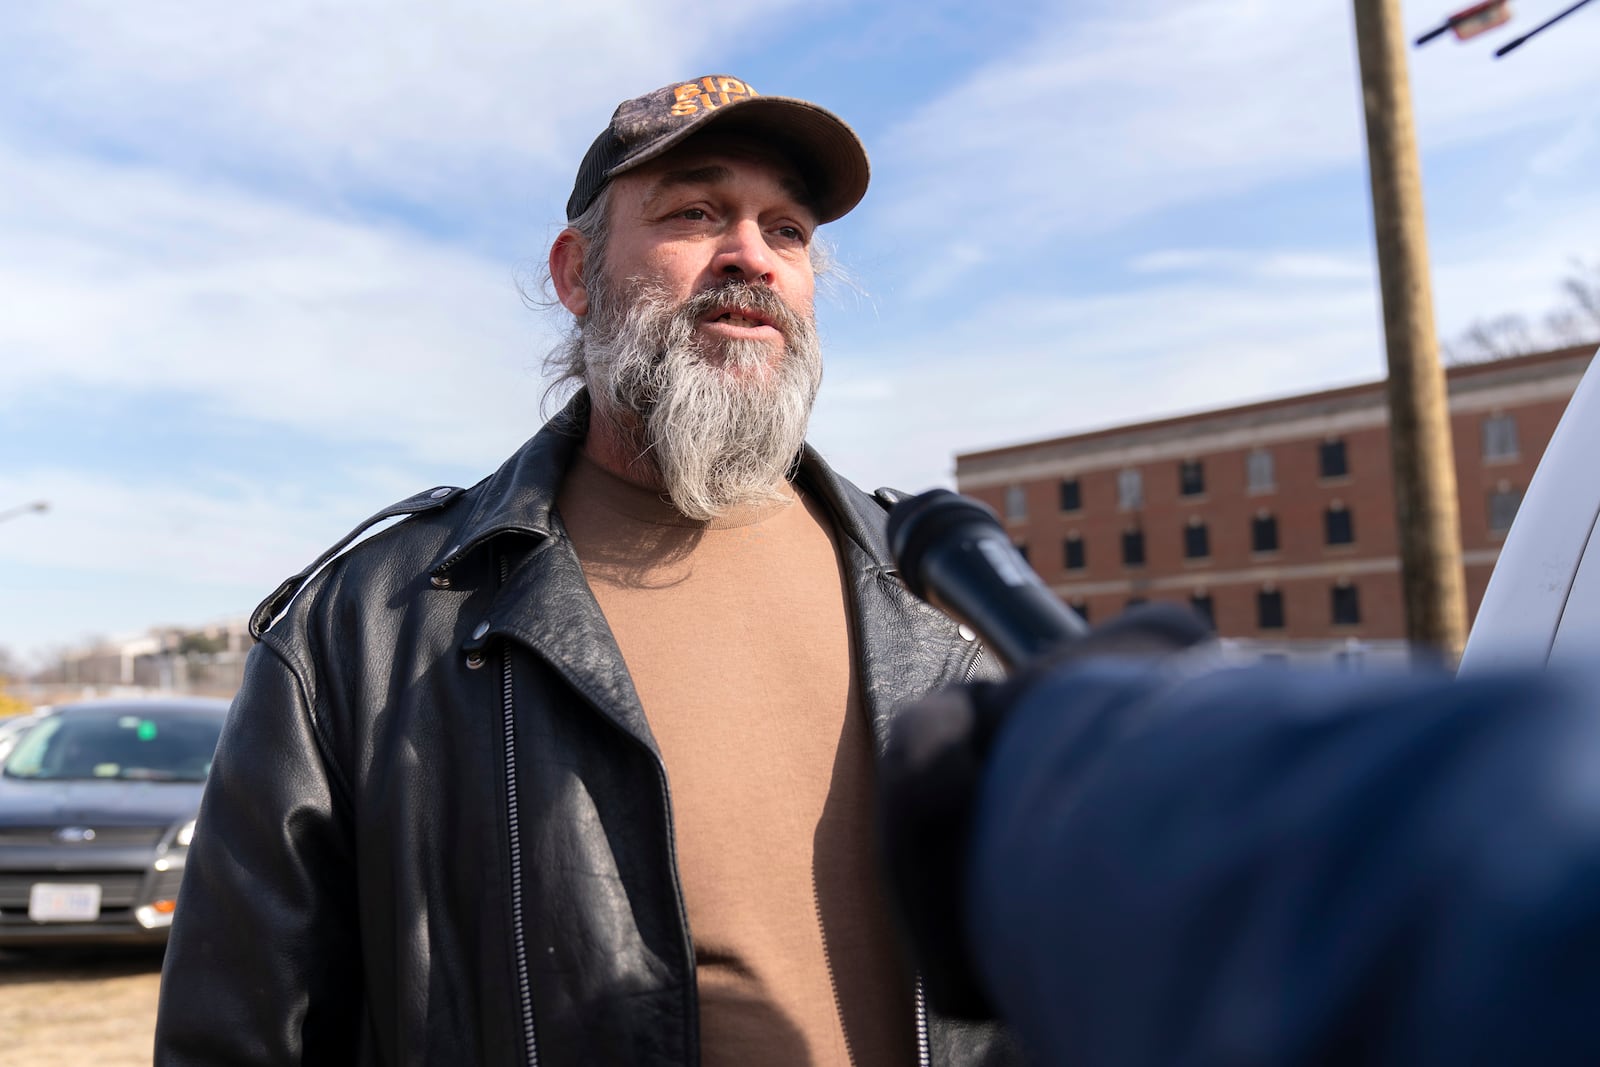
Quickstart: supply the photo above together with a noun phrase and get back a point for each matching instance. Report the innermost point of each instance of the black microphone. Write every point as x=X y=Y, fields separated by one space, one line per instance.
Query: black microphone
x=953 y=553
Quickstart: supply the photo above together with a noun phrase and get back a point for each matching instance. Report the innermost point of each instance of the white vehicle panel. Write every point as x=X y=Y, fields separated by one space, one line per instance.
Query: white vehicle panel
x=1577 y=640
x=1542 y=605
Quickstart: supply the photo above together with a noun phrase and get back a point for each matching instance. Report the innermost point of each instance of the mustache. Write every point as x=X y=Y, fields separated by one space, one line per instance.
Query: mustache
x=743 y=296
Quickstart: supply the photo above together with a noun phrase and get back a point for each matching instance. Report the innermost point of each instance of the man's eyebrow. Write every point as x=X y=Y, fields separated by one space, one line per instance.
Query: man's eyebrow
x=713 y=173
x=707 y=175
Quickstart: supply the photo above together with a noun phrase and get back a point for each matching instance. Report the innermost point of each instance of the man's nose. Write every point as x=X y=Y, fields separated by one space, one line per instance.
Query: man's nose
x=744 y=253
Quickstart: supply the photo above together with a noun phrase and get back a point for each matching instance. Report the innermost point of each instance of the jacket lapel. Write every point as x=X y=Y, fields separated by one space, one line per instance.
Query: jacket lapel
x=547 y=606
x=543 y=601
x=904 y=649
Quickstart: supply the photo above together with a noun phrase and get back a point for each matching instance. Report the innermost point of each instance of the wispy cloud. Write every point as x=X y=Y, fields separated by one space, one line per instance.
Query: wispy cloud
x=1111 y=115
x=1098 y=119
x=1017 y=368
x=122 y=277
x=1514 y=262
x=1311 y=266
x=111 y=558
x=400 y=95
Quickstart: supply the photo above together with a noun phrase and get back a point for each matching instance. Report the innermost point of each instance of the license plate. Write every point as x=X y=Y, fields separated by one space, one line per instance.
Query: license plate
x=55 y=903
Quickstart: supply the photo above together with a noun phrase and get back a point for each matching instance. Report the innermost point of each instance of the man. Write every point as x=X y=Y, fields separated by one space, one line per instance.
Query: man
x=575 y=766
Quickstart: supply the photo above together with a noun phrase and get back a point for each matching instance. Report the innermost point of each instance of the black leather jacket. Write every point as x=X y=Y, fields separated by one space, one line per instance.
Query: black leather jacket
x=437 y=830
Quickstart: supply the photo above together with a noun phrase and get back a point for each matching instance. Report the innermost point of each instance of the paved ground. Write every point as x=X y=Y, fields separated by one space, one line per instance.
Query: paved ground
x=69 y=1008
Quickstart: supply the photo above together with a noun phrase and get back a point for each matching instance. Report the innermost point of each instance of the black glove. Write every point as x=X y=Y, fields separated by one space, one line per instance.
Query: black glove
x=929 y=777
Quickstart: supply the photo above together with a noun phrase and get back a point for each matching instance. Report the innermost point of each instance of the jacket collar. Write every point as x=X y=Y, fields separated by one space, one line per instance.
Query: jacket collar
x=518 y=498
x=545 y=602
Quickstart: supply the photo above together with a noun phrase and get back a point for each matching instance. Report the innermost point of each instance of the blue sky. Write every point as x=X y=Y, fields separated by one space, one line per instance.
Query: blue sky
x=261 y=262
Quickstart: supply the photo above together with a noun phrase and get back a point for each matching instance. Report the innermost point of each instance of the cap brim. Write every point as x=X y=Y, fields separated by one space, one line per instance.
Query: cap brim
x=826 y=151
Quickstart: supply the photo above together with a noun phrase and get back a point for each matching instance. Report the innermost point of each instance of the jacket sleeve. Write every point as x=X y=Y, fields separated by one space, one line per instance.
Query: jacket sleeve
x=1264 y=866
x=264 y=962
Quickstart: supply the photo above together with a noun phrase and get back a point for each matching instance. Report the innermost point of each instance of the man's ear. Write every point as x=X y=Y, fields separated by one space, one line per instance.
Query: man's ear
x=566 y=272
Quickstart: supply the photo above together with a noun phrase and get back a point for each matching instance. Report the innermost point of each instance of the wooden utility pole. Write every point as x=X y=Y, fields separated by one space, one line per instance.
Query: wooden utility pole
x=1426 y=507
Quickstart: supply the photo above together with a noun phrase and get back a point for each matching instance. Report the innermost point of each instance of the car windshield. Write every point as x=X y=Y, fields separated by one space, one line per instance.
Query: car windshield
x=149 y=745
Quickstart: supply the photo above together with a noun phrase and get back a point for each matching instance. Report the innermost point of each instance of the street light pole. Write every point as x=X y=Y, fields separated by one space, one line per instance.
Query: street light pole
x=37 y=505
x=1426 y=507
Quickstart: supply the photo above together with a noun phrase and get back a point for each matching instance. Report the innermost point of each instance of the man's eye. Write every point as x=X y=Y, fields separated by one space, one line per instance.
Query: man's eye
x=693 y=214
x=792 y=233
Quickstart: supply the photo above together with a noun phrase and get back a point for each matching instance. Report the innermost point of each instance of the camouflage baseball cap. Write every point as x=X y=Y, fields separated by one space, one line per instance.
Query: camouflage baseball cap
x=825 y=151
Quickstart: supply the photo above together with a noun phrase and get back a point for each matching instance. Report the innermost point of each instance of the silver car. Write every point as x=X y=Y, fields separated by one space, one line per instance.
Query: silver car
x=97 y=809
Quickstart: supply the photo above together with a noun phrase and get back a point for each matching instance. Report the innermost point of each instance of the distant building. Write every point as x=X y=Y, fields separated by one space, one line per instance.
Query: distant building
x=206 y=660
x=1275 y=519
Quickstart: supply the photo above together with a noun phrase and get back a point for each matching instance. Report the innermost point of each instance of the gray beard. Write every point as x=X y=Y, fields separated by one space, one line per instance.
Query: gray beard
x=718 y=422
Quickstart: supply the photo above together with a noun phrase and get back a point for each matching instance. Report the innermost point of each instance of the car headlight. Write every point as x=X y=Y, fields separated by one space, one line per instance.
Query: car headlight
x=185 y=835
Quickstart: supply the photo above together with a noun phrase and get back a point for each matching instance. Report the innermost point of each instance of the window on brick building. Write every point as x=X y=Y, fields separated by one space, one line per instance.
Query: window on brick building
x=1022 y=550
x=1500 y=437
x=1259 y=473
x=1133 y=548
x=1071 y=495
x=1338 y=527
x=1130 y=489
x=1331 y=460
x=1072 y=552
x=1016 y=503
x=1191 y=477
x=1196 y=540
x=1503 y=504
x=1346 y=604
x=1203 y=607
x=1269 y=609
x=1133 y=602
x=1264 y=533
x=1082 y=608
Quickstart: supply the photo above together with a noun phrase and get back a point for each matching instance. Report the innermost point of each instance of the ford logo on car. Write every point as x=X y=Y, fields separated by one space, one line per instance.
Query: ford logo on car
x=74 y=835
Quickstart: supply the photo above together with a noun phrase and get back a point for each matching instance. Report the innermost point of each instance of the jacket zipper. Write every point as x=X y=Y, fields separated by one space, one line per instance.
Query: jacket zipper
x=833 y=978
x=519 y=940
x=518 y=937
x=972 y=664
x=924 y=1044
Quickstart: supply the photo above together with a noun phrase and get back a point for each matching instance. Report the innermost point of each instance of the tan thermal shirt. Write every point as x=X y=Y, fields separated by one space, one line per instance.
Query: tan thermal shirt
x=736 y=635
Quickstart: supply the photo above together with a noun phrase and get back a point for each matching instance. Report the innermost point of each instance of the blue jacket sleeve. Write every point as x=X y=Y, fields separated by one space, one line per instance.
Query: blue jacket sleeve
x=1255 y=866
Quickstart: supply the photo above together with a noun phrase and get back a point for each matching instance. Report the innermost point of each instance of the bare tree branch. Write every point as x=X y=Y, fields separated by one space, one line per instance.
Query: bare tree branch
x=1582 y=287
x=1575 y=322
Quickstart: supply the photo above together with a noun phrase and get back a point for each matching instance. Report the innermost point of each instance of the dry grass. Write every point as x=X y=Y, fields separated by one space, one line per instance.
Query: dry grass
x=61 y=1008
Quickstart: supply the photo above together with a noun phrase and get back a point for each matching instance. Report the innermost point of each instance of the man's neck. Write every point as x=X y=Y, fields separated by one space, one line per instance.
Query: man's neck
x=613 y=444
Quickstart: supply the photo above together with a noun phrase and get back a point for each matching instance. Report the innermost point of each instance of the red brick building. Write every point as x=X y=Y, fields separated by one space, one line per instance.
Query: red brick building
x=1276 y=519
